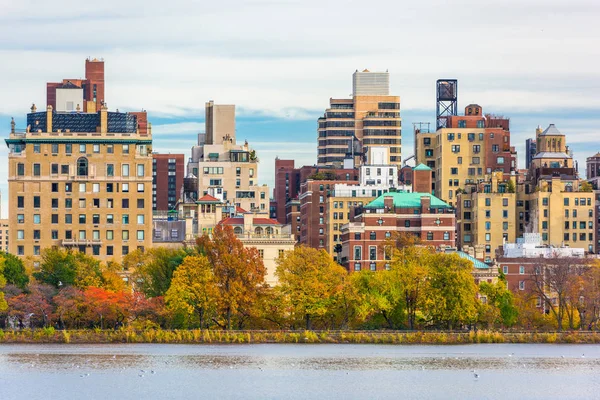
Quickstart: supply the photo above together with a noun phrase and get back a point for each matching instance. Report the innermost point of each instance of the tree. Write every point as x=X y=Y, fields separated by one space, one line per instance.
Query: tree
x=153 y=269
x=451 y=295
x=500 y=306
x=66 y=267
x=239 y=273
x=309 y=280
x=33 y=306
x=3 y=304
x=193 y=290
x=379 y=293
x=14 y=270
x=510 y=186
x=552 y=280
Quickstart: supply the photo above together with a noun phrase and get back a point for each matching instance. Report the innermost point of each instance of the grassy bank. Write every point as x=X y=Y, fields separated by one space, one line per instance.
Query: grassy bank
x=50 y=335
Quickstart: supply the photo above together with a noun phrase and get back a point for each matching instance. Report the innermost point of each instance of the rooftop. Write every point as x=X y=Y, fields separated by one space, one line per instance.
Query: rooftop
x=407 y=200
x=552 y=131
x=422 y=167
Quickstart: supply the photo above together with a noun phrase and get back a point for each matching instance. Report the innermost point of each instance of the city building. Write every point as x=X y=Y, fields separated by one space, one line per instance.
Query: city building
x=486 y=214
x=4 y=235
x=226 y=170
x=167 y=180
x=421 y=214
x=593 y=170
x=85 y=95
x=80 y=180
x=271 y=238
x=465 y=150
x=556 y=203
x=370 y=118
x=530 y=151
x=287 y=186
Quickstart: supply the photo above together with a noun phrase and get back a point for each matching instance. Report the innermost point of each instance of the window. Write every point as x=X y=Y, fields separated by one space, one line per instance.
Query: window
x=36 y=170
x=140 y=170
x=521 y=285
x=54 y=218
x=68 y=219
x=500 y=160
x=96 y=148
x=37 y=219
x=124 y=203
x=82 y=148
x=125 y=219
x=125 y=235
x=82 y=218
x=372 y=253
x=20 y=218
x=407 y=223
x=140 y=219
x=454 y=171
x=140 y=235
x=54 y=235
x=36 y=201
x=68 y=148
x=505 y=269
x=373 y=236
x=54 y=169
x=82 y=166
x=459 y=160
x=446 y=235
x=125 y=170
x=488 y=237
x=357 y=252
x=82 y=188
x=21 y=169
x=125 y=187
x=140 y=203
x=476 y=148
x=140 y=187
x=36 y=148
x=20 y=234
x=456 y=148
x=475 y=160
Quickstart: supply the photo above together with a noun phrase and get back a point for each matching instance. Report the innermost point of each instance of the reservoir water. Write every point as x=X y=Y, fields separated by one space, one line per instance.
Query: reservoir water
x=272 y=371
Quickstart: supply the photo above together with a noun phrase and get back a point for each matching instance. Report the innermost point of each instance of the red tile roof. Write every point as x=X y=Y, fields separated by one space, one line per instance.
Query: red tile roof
x=208 y=197
x=239 y=210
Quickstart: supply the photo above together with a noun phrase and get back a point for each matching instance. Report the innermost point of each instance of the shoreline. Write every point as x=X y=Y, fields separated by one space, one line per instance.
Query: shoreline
x=197 y=336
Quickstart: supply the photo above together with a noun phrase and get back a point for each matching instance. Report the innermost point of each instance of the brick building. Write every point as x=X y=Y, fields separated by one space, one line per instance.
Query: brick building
x=422 y=214
x=167 y=180
x=85 y=95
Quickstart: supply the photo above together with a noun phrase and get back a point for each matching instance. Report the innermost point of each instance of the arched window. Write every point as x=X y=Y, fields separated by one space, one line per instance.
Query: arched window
x=237 y=230
x=269 y=231
x=258 y=231
x=82 y=166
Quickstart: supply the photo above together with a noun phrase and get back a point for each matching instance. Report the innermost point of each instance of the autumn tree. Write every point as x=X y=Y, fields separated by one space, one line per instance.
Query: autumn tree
x=154 y=268
x=67 y=267
x=451 y=294
x=35 y=305
x=239 y=273
x=14 y=270
x=70 y=307
x=310 y=281
x=3 y=304
x=499 y=308
x=379 y=293
x=193 y=290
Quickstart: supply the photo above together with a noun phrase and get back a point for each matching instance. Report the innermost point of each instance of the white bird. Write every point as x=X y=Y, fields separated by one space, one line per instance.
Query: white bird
x=476 y=376
x=583 y=356
x=152 y=372
x=60 y=283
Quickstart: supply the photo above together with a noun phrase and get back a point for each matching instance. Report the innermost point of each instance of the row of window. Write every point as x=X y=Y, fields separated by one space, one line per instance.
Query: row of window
x=590 y=213
x=83 y=148
x=82 y=203
x=82 y=235
x=82 y=249
x=82 y=169
x=54 y=218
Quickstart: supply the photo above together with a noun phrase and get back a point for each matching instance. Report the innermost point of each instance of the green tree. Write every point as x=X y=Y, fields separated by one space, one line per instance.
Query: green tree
x=3 y=304
x=310 y=282
x=66 y=267
x=154 y=268
x=193 y=290
x=378 y=293
x=239 y=273
x=14 y=270
x=451 y=295
x=500 y=308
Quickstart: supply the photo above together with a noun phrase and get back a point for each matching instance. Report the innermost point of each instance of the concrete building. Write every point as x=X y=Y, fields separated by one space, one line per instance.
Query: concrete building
x=226 y=170
x=555 y=204
x=167 y=180
x=592 y=170
x=486 y=214
x=530 y=151
x=85 y=95
x=468 y=148
x=370 y=118
x=4 y=235
x=421 y=214
x=80 y=180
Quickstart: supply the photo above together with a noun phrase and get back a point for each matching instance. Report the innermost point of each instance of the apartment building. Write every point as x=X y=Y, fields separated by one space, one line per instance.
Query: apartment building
x=370 y=118
x=4 y=235
x=226 y=170
x=468 y=148
x=593 y=177
x=167 y=180
x=421 y=214
x=85 y=95
x=486 y=214
x=80 y=180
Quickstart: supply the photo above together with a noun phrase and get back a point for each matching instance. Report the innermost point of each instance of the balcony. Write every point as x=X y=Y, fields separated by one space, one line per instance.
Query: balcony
x=81 y=242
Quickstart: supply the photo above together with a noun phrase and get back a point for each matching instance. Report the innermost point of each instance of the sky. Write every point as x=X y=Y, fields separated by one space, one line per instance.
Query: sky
x=280 y=61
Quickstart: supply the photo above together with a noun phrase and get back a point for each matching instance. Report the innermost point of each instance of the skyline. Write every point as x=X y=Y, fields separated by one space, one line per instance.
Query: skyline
x=280 y=64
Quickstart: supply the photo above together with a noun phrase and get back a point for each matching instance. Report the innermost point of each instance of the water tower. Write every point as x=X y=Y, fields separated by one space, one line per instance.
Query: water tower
x=447 y=104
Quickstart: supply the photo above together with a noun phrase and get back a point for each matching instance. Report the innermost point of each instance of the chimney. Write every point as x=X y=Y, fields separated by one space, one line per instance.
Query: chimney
x=425 y=204
x=388 y=203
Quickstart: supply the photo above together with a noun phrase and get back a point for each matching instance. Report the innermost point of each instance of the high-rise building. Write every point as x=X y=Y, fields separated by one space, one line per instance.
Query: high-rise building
x=370 y=118
x=167 y=180
x=287 y=186
x=224 y=169
x=4 y=235
x=467 y=149
x=79 y=94
x=530 y=151
x=80 y=180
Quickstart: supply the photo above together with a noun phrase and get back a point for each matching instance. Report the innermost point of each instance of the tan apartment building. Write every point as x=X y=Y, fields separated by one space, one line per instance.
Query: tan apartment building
x=370 y=118
x=226 y=170
x=463 y=153
x=80 y=180
x=486 y=215
x=4 y=235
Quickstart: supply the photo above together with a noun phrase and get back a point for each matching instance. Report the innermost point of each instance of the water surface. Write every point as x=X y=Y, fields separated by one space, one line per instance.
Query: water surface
x=272 y=371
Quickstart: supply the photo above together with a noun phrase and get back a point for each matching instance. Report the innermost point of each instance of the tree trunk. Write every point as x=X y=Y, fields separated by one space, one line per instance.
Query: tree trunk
x=201 y=312
x=228 y=318
x=307 y=316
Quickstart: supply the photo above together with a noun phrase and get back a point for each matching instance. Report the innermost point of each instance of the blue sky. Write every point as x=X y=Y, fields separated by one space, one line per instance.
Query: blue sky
x=280 y=62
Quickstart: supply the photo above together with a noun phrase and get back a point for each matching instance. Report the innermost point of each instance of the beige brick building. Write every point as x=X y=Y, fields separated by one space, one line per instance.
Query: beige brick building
x=4 y=235
x=80 y=180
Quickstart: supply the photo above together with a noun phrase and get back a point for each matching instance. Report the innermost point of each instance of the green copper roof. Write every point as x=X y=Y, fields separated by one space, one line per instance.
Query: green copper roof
x=422 y=167
x=476 y=263
x=407 y=200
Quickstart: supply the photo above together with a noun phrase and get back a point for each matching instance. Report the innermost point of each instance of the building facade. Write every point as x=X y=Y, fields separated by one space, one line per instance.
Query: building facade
x=4 y=235
x=370 y=118
x=167 y=180
x=420 y=214
x=80 y=180
x=85 y=95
